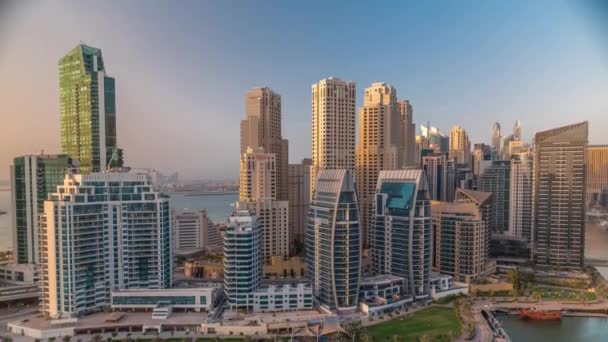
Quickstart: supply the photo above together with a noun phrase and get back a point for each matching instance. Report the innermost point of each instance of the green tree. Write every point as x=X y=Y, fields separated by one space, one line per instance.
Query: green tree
x=66 y=338
x=515 y=280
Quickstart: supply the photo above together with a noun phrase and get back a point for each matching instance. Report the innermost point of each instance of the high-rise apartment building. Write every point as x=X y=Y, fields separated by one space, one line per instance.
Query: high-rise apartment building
x=480 y=152
x=460 y=146
x=559 y=197
x=380 y=145
x=258 y=192
x=440 y=172
x=33 y=177
x=242 y=258
x=597 y=174
x=298 y=180
x=102 y=232
x=437 y=141
x=333 y=126
x=193 y=230
x=495 y=178
x=88 y=110
x=333 y=241
x=262 y=128
x=520 y=206
x=401 y=235
x=409 y=132
x=462 y=236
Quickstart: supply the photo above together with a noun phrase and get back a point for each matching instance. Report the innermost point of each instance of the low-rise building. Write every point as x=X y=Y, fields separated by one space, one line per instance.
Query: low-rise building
x=199 y=298
x=383 y=293
x=285 y=297
x=443 y=285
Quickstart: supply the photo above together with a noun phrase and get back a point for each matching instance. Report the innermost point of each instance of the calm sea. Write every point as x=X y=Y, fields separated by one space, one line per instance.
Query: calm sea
x=219 y=207
x=568 y=329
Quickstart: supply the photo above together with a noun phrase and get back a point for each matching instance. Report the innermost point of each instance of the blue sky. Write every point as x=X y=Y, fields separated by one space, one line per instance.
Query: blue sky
x=182 y=68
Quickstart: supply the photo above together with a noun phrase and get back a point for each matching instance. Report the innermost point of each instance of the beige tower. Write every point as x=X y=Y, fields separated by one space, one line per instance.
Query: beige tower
x=380 y=145
x=597 y=174
x=460 y=146
x=258 y=191
x=299 y=199
x=333 y=125
x=409 y=132
x=262 y=128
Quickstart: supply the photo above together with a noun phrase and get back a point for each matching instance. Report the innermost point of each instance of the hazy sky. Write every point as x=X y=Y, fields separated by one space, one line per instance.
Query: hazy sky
x=182 y=68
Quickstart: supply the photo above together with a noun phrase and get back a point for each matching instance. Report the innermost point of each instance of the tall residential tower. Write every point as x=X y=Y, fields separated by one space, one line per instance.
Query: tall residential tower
x=87 y=98
x=333 y=126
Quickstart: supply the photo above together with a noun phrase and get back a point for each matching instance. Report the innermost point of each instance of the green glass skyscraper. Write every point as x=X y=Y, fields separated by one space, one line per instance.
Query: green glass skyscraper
x=33 y=177
x=88 y=110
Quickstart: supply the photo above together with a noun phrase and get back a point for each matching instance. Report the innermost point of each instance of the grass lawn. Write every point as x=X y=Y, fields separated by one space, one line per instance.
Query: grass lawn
x=551 y=293
x=433 y=321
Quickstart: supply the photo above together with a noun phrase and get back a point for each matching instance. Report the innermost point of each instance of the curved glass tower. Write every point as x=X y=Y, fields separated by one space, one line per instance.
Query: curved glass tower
x=401 y=229
x=333 y=241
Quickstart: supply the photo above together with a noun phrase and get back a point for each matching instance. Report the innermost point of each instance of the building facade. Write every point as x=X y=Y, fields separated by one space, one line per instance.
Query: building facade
x=441 y=174
x=380 y=147
x=102 y=232
x=460 y=146
x=559 y=197
x=461 y=240
x=409 y=132
x=261 y=128
x=242 y=258
x=597 y=174
x=520 y=201
x=333 y=241
x=258 y=192
x=192 y=230
x=88 y=110
x=333 y=126
x=33 y=177
x=401 y=235
x=495 y=178
x=298 y=180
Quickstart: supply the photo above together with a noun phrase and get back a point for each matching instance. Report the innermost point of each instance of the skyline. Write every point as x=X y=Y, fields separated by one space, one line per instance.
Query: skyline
x=197 y=98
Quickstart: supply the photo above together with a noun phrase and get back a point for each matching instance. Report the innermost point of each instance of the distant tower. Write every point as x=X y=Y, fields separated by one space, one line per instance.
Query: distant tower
x=460 y=145
x=517 y=130
x=496 y=137
x=87 y=99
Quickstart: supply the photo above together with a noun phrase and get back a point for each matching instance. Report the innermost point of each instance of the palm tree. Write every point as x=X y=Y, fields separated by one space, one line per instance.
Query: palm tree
x=515 y=280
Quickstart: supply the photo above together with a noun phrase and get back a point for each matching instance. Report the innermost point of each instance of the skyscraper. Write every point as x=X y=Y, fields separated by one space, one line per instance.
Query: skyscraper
x=495 y=178
x=517 y=130
x=88 y=110
x=496 y=138
x=242 y=258
x=440 y=172
x=480 y=152
x=258 y=192
x=437 y=141
x=33 y=177
x=460 y=146
x=298 y=180
x=333 y=126
x=409 y=132
x=597 y=173
x=102 y=232
x=520 y=207
x=559 y=196
x=333 y=241
x=401 y=236
x=262 y=128
x=380 y=145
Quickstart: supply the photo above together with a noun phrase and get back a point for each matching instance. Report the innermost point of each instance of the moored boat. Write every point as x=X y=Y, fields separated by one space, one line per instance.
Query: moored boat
x=533 y=313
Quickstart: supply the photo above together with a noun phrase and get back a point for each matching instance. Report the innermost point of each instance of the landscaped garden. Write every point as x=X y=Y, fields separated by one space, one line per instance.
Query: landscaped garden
x=431 y=324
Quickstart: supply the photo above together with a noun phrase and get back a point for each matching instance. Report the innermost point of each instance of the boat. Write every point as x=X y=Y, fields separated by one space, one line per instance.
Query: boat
x=534 y=314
